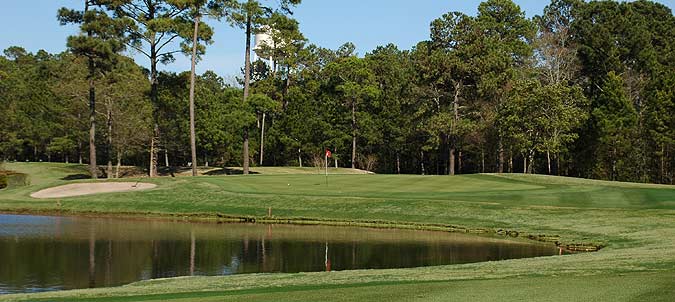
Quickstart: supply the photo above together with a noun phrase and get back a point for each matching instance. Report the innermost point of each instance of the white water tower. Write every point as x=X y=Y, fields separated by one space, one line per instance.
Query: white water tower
x=263 y=39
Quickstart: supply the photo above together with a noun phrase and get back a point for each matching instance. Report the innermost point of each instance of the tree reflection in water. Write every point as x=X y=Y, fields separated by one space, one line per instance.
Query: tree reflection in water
x=45 y=253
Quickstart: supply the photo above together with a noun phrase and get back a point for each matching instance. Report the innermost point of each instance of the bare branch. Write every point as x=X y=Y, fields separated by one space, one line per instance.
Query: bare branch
x=166 y=42
x=139 y=49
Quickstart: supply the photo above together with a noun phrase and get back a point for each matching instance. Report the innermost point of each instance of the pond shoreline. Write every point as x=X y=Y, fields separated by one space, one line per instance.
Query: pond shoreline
x=124 y=251
x=569 y=247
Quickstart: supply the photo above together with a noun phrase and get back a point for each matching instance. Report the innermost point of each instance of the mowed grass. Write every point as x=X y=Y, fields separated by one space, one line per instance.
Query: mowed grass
x=616 y=287
x=635 y=223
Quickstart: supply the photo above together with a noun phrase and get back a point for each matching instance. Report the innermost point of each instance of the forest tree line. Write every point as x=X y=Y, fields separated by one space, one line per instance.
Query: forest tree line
x=585 y=89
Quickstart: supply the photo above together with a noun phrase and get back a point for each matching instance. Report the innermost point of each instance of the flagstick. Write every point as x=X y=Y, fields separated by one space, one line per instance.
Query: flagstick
x=326 y=156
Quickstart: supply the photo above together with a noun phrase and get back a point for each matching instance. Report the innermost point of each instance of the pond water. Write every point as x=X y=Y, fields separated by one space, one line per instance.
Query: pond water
x=42 y=253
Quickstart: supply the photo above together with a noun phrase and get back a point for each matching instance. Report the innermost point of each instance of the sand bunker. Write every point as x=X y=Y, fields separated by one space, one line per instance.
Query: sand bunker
x=91 y=188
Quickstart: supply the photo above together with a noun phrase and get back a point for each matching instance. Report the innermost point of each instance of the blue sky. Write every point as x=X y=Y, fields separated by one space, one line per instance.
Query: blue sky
x=327 y=23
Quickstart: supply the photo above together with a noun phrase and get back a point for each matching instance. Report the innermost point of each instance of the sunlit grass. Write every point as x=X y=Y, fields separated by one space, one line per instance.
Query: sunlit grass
x=636 y=223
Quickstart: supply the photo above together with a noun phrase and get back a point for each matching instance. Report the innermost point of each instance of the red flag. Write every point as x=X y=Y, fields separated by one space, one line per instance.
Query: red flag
x=328 y=153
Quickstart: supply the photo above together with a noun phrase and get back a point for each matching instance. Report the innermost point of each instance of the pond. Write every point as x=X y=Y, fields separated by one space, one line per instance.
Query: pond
x=42 y=253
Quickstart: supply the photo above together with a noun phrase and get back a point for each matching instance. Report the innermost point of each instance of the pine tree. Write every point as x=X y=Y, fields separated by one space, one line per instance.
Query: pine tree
x=615 y=120
x=100 y=40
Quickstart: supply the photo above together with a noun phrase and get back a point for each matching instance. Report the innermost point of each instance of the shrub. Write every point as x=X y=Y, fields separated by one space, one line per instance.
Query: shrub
x=318 y=161
x=368 y=162
x=12 y=179
x=17 y=179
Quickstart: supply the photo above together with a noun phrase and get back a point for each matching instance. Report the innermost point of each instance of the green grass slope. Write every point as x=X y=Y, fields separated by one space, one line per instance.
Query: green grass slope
x=635 y=222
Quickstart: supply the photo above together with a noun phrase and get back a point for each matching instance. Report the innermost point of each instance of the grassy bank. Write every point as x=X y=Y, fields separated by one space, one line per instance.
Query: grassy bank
x=635 y=222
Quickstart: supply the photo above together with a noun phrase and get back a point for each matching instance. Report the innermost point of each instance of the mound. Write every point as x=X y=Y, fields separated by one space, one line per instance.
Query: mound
x=91 y=188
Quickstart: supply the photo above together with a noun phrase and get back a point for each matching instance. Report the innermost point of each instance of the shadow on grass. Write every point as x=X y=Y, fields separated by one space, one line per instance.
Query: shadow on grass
x=134 y=172
x=228 y=171
x=76 y=176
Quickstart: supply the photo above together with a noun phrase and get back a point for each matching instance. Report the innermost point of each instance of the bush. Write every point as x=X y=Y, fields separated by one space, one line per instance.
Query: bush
x=17 y=179
x=12 y=179
x=3 y=180
x=368 y=162
x=3 y=176
x=318 y=161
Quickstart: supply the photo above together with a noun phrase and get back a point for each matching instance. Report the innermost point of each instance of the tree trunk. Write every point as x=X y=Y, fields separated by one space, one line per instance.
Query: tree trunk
x=109 y=171
x=482 y=160
x=79 y=144
x=613 y=177
x=398 y=163
x=154 y=84
x=663 y=165
x=422 y=161
x=567 y=170
x=353 y=134
x=166 y=157
x=524 y=163
x=66 y=158
x=548 y=158
x=193 y=140
x=459 y=163
x=500 y=167
x=245 y=165
x=451 y=161
x=669 y=167
x=154 y=141
x=300 y=157
x=453 y=127
x=247 y=80
x=92 y=111
x=510 y=161
x=79 y=152
x=262 y=139
x=335 y=158
x=92 y=122
x=443 y=160
x=287 y=85
x=119 y=164
x=438 y=166
x=557 y=164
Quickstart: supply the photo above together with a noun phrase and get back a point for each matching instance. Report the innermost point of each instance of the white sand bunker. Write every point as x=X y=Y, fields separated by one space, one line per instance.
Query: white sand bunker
x=91 y=188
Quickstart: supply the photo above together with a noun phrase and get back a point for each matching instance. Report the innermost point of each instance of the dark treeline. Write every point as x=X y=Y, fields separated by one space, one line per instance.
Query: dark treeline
x=586 y=89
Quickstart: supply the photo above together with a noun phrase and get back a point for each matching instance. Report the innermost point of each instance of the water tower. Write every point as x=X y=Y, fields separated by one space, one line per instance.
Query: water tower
x=263 y=39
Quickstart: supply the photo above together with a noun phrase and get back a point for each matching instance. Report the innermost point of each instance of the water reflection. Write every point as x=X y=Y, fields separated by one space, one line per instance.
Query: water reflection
x=51 y=253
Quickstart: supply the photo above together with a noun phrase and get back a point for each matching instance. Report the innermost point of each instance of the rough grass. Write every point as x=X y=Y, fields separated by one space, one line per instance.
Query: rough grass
x=635 y=222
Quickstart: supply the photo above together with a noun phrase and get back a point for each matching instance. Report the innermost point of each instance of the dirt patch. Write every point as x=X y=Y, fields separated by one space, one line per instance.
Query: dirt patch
x=91 y=188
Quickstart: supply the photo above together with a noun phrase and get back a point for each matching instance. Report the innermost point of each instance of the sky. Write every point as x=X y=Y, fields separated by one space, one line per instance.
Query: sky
x=32 y=24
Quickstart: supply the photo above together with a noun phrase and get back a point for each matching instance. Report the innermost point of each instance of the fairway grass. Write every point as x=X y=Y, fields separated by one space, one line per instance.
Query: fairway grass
x=635 y=223
x=616 y=287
